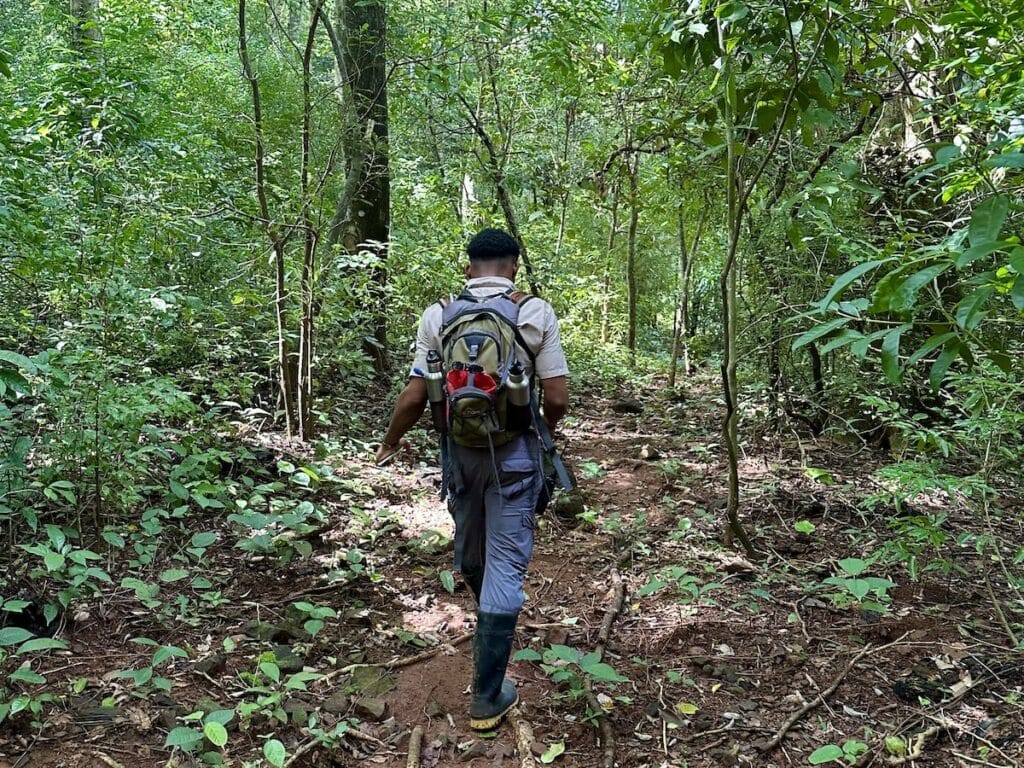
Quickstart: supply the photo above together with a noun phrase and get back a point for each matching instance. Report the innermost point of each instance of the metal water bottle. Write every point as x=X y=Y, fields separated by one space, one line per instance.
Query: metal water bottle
x=435 y=391
x=517 y=389
x=518 y=386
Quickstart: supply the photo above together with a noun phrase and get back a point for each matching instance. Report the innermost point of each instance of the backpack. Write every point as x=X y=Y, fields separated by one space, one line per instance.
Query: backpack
x=479 y=336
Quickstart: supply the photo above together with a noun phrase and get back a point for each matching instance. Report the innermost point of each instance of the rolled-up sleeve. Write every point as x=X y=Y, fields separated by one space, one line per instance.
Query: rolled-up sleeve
x=428 y=337
x=551 y=360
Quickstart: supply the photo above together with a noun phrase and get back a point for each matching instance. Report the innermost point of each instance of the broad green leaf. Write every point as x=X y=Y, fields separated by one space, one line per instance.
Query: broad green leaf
x=841 y=339
x=847 y=278
x=26 y=675
x=179 y=490
x=933 y=343
x=687 y=708
x=18 y=361
x=271 y=670
x=891 y=354
x=1017 y=260
x=853 y=566
x=204 y=539
x=183 y=738
x=297 y=682
x=216 y=733
x=173 y=574
x=1006 y=160
x=818 y=331
x=13 y=635
x=969 y=311
x=603 y=672
x=312 y=626
x=987 y=219
x=41 y=644
x=222 y=716
x=1017 y=293
x=552 y=752
x=114 y=539
x=651 y=587
x=448 y=582
x=905 y=293
x=859 y=588
x=165 y=652
x=941 y=365
x=976 y=252
x=275 y=753
x=565 y=653
x=54 y=561
x=526 y=654
x=732 y=11
x=827 y=754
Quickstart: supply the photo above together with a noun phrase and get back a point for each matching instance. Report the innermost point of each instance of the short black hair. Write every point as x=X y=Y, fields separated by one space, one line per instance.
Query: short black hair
x=492 y=245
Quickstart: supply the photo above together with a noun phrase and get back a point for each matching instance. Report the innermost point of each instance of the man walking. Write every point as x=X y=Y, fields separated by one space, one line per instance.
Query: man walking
x=494 y=474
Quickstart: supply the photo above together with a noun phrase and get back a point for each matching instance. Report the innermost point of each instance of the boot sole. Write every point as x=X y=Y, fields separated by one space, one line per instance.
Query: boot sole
x=489 y=723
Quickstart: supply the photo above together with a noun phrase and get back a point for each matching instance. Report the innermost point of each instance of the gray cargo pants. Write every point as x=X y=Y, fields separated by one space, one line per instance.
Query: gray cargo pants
x=493 y=499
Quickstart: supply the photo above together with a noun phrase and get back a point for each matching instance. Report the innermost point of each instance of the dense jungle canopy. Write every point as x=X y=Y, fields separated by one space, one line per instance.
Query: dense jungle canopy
x=783 y=239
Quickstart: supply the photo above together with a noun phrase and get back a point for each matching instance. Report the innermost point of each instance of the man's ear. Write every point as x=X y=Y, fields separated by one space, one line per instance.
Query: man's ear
x=468 y=270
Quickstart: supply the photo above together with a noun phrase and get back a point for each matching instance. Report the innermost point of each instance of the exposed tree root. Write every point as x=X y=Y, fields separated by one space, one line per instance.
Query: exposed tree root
x=524 y=738
x=300 y=752
x=916 y=747
x=415 y=746
x=605 y=726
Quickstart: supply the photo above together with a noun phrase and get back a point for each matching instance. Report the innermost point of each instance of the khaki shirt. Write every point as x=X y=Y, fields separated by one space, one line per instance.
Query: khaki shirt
x=537 y=324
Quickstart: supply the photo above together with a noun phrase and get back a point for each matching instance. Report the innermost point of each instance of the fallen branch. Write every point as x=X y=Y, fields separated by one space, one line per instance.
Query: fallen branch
x=108 y=761
x=820 y=699
x=300 y=752
x=399 y=663
x=524 y=738
x=605 y=726
x=607 y=734
x=415 y=745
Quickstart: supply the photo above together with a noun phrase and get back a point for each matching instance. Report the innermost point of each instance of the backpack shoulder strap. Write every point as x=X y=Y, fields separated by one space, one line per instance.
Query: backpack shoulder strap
x=520 y=298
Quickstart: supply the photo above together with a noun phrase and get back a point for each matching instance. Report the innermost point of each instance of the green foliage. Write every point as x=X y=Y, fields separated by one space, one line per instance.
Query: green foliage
x=569 y=667
x=833 y=753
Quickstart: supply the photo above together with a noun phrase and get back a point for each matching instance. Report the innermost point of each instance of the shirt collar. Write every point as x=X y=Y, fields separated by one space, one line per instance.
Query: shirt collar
x=491 y=281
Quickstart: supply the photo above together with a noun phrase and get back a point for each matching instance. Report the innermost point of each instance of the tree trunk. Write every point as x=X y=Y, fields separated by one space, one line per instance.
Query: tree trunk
x=681 y=318
x=362 y=220
x=85 y=28
x=606 y=301
x=277 y=241
x=727 y=284
x=631 y=280
x=310 y=236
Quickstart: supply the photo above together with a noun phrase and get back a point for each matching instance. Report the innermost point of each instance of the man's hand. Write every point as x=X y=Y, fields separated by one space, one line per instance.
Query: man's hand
x=387 y=452
x=411 y=402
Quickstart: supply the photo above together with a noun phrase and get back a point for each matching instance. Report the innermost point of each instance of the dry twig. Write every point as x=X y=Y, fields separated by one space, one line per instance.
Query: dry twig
x=399 y=663
x=415 y=745
x=818 y=700
x=607 y=734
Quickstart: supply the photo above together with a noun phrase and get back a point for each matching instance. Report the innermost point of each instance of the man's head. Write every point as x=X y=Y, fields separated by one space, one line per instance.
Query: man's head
x=492 y=252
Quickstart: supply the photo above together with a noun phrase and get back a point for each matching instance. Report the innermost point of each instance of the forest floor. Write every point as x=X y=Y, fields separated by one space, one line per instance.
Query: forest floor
x=816 y=648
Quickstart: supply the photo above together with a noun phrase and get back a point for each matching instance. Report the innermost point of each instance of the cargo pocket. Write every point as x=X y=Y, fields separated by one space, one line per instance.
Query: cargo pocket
x=519 y=486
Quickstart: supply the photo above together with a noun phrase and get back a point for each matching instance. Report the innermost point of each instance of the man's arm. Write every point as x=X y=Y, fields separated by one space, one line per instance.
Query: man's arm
x=408 y=409
x=556 y=399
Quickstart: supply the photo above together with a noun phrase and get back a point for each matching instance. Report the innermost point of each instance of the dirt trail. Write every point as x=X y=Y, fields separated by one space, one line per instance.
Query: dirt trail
x=568 y=589
x=713 y=661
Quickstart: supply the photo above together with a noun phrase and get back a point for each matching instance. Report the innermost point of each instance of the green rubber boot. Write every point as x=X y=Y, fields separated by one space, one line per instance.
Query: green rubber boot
x=493 y=695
